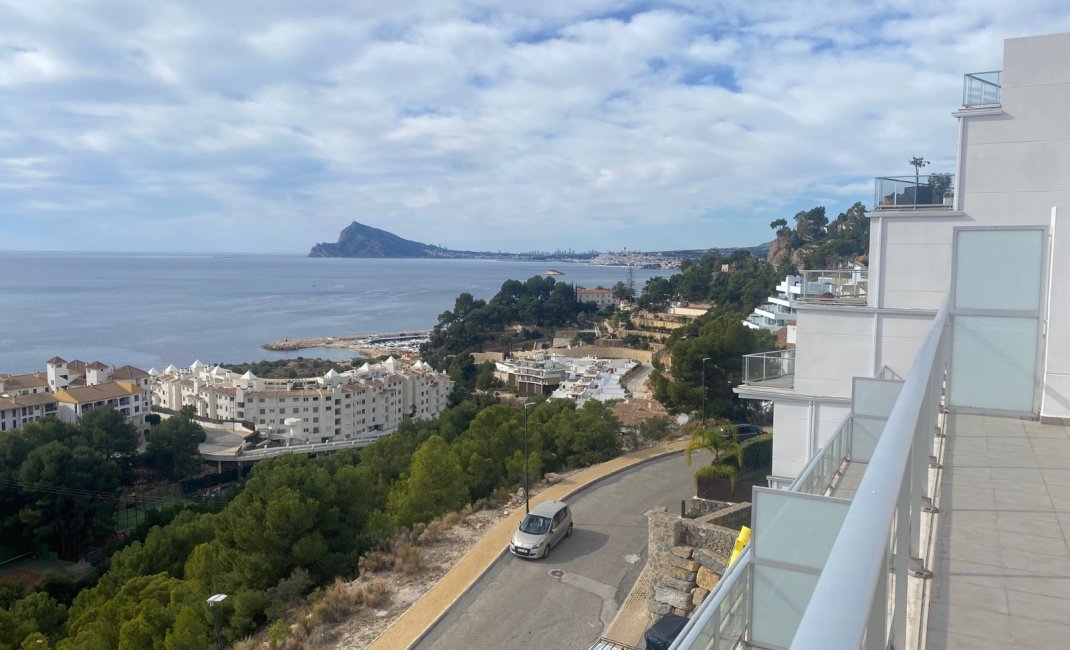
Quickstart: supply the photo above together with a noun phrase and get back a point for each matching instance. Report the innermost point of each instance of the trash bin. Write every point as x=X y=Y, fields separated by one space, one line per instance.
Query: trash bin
x=661 y=635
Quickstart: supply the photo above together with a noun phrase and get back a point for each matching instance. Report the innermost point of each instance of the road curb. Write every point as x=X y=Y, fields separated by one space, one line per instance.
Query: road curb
x=406 y=628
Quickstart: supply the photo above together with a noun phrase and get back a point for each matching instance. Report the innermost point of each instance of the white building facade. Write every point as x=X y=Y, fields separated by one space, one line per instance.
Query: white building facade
x=993 y=237
x=68 y=389
x=360 y=404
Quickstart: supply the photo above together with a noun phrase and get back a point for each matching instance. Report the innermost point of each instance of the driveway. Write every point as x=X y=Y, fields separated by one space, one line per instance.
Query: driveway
x=569 y=599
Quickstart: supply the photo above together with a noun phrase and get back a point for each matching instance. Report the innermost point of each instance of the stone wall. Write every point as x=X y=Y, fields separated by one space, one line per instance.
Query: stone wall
x=687 y=557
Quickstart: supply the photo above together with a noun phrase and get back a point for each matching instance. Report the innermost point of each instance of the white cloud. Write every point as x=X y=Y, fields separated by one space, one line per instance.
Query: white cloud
x=258 y=125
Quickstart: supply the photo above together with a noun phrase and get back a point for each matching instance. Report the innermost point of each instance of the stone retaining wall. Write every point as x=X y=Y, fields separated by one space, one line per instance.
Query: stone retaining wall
x=687 y=557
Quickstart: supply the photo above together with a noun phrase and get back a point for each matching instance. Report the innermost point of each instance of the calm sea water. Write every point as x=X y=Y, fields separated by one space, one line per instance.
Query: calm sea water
x=151 y=310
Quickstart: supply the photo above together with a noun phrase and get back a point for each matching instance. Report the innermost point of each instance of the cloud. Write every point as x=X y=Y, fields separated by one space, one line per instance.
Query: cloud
x=480 y=125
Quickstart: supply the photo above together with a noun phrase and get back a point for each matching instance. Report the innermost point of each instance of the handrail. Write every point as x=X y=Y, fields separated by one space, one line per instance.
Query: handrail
x=690 y=635
x=804 y=475
x=839 y=608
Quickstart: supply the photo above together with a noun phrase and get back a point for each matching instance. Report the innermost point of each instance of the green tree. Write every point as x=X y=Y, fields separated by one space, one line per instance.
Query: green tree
x=434 y=486
x=917 y=162
x=173 y=447
x=107 y=431
x=622 y=291
x=721 y=442
x=73 y=496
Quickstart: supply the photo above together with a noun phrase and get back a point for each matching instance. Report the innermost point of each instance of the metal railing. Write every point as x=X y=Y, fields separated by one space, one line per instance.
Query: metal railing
x=858 y=588
x=770 y=368
x=982 y=89
x=860 y=599
x=819 y=473
x=910 y=192
x=835 y=287
x=721 y=622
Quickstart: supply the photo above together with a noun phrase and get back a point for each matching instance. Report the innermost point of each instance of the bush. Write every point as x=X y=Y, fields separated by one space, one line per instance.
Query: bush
x=757 y=453
x=335 y=604
x=407 y=558
x=375 y=561
x=717 y=471
x=436 y=529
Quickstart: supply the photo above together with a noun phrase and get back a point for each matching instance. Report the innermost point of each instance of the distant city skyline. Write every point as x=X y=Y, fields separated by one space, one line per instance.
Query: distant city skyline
x=589 y=125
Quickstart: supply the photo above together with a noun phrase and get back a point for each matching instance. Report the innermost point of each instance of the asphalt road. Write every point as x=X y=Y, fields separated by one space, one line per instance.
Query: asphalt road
x=518 y=604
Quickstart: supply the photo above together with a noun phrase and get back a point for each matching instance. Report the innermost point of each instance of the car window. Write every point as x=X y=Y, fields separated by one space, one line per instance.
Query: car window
x=535 y=525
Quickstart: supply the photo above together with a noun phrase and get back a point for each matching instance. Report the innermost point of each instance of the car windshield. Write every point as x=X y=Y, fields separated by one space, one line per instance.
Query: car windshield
x=535 y=525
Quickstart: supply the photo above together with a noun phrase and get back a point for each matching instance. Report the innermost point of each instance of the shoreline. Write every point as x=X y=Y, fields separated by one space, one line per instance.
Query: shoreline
x=367 y=345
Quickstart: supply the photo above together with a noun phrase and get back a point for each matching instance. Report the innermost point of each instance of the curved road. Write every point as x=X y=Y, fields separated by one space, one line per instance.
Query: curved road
x=518 y=604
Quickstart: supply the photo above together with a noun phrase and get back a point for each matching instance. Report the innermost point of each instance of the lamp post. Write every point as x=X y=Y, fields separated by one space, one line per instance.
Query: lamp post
x=526 y=497
x=704 y=360
x=212 y=601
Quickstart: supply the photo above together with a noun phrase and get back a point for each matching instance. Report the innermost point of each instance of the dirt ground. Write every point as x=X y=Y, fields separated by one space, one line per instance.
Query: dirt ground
x=439 y=557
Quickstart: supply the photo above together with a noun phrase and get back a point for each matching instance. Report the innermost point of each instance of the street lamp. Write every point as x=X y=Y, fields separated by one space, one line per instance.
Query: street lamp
x=212 y=601
x=527 y=498
x=704 y=360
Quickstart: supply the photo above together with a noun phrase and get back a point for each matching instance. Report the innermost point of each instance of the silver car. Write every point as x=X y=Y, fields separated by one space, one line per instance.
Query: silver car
x=542 y=529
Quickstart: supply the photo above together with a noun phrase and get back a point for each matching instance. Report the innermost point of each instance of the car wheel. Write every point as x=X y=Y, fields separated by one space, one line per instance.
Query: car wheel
x=546 y=553
x=568 y=533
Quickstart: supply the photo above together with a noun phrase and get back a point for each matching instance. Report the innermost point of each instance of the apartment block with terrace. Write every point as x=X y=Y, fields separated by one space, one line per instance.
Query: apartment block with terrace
x=919 y=496
x=356 y=405
x=68 y=389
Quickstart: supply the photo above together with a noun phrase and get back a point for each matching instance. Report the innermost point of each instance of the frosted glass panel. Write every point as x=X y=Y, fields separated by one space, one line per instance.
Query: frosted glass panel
x=980 y=284
x=795 y=528
x=865 y=434
x=993 y=363
x=780 y=598
x=874 y=397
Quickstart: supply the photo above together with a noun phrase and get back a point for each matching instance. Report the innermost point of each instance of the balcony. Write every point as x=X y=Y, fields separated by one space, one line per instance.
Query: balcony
x=774 y=369
x=918 y=524
x=925 y=191
x=982 y=90
x=834 y=287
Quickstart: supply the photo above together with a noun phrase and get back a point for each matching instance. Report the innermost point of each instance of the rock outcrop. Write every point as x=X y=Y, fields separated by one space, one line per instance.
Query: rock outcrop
x=358 y=240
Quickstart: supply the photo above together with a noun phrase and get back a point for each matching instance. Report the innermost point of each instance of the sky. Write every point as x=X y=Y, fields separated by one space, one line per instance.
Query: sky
x=268 y=126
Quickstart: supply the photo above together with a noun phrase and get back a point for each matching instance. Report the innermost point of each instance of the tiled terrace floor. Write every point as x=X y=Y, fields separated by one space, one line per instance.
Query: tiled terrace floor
x=1002 y=566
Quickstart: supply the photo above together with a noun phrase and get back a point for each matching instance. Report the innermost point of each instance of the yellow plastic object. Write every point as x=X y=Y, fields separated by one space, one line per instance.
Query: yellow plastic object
x=741 y=541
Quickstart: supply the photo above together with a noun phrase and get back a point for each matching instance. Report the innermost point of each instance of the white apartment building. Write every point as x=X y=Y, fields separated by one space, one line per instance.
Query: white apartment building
x=365 y=403
x=938 y=470
x=778 y=311
x=67 y=389
x=993 y=236
x=537 y=375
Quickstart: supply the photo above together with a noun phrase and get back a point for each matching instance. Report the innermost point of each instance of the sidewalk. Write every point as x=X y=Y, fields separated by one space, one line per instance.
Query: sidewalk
x=411 y=626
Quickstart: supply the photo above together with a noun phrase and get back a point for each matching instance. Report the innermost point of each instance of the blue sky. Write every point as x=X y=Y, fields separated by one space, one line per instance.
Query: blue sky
x=264 y=126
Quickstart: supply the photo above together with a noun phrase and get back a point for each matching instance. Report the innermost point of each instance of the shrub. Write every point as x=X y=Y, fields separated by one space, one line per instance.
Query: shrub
x=371 y=594
x=717 y=471
x=434 y=531
x=374 y=561
x=757 y=453
x=335 y=604
x=407 y=558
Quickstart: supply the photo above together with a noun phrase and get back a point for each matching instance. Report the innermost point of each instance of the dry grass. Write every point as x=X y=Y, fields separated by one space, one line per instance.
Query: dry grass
x=374 y=561
x=437 y=529
x=407 y=558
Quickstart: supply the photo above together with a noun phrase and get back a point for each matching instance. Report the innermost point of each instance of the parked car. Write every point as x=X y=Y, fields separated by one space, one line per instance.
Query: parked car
x=746 y=431
x=542 y=529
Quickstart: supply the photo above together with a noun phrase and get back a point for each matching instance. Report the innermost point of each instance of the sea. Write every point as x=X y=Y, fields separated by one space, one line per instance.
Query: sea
x=151 y=310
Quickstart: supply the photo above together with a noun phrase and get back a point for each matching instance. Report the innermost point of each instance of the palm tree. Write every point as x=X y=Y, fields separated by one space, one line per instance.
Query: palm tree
x=918 y=162
x=719 y=440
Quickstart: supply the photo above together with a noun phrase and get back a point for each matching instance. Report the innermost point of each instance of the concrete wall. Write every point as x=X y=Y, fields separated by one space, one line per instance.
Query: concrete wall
x=796 y=438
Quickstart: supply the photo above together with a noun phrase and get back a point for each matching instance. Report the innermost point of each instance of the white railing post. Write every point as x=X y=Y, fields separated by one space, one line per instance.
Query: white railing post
x=877 y=626
x=902 y=560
